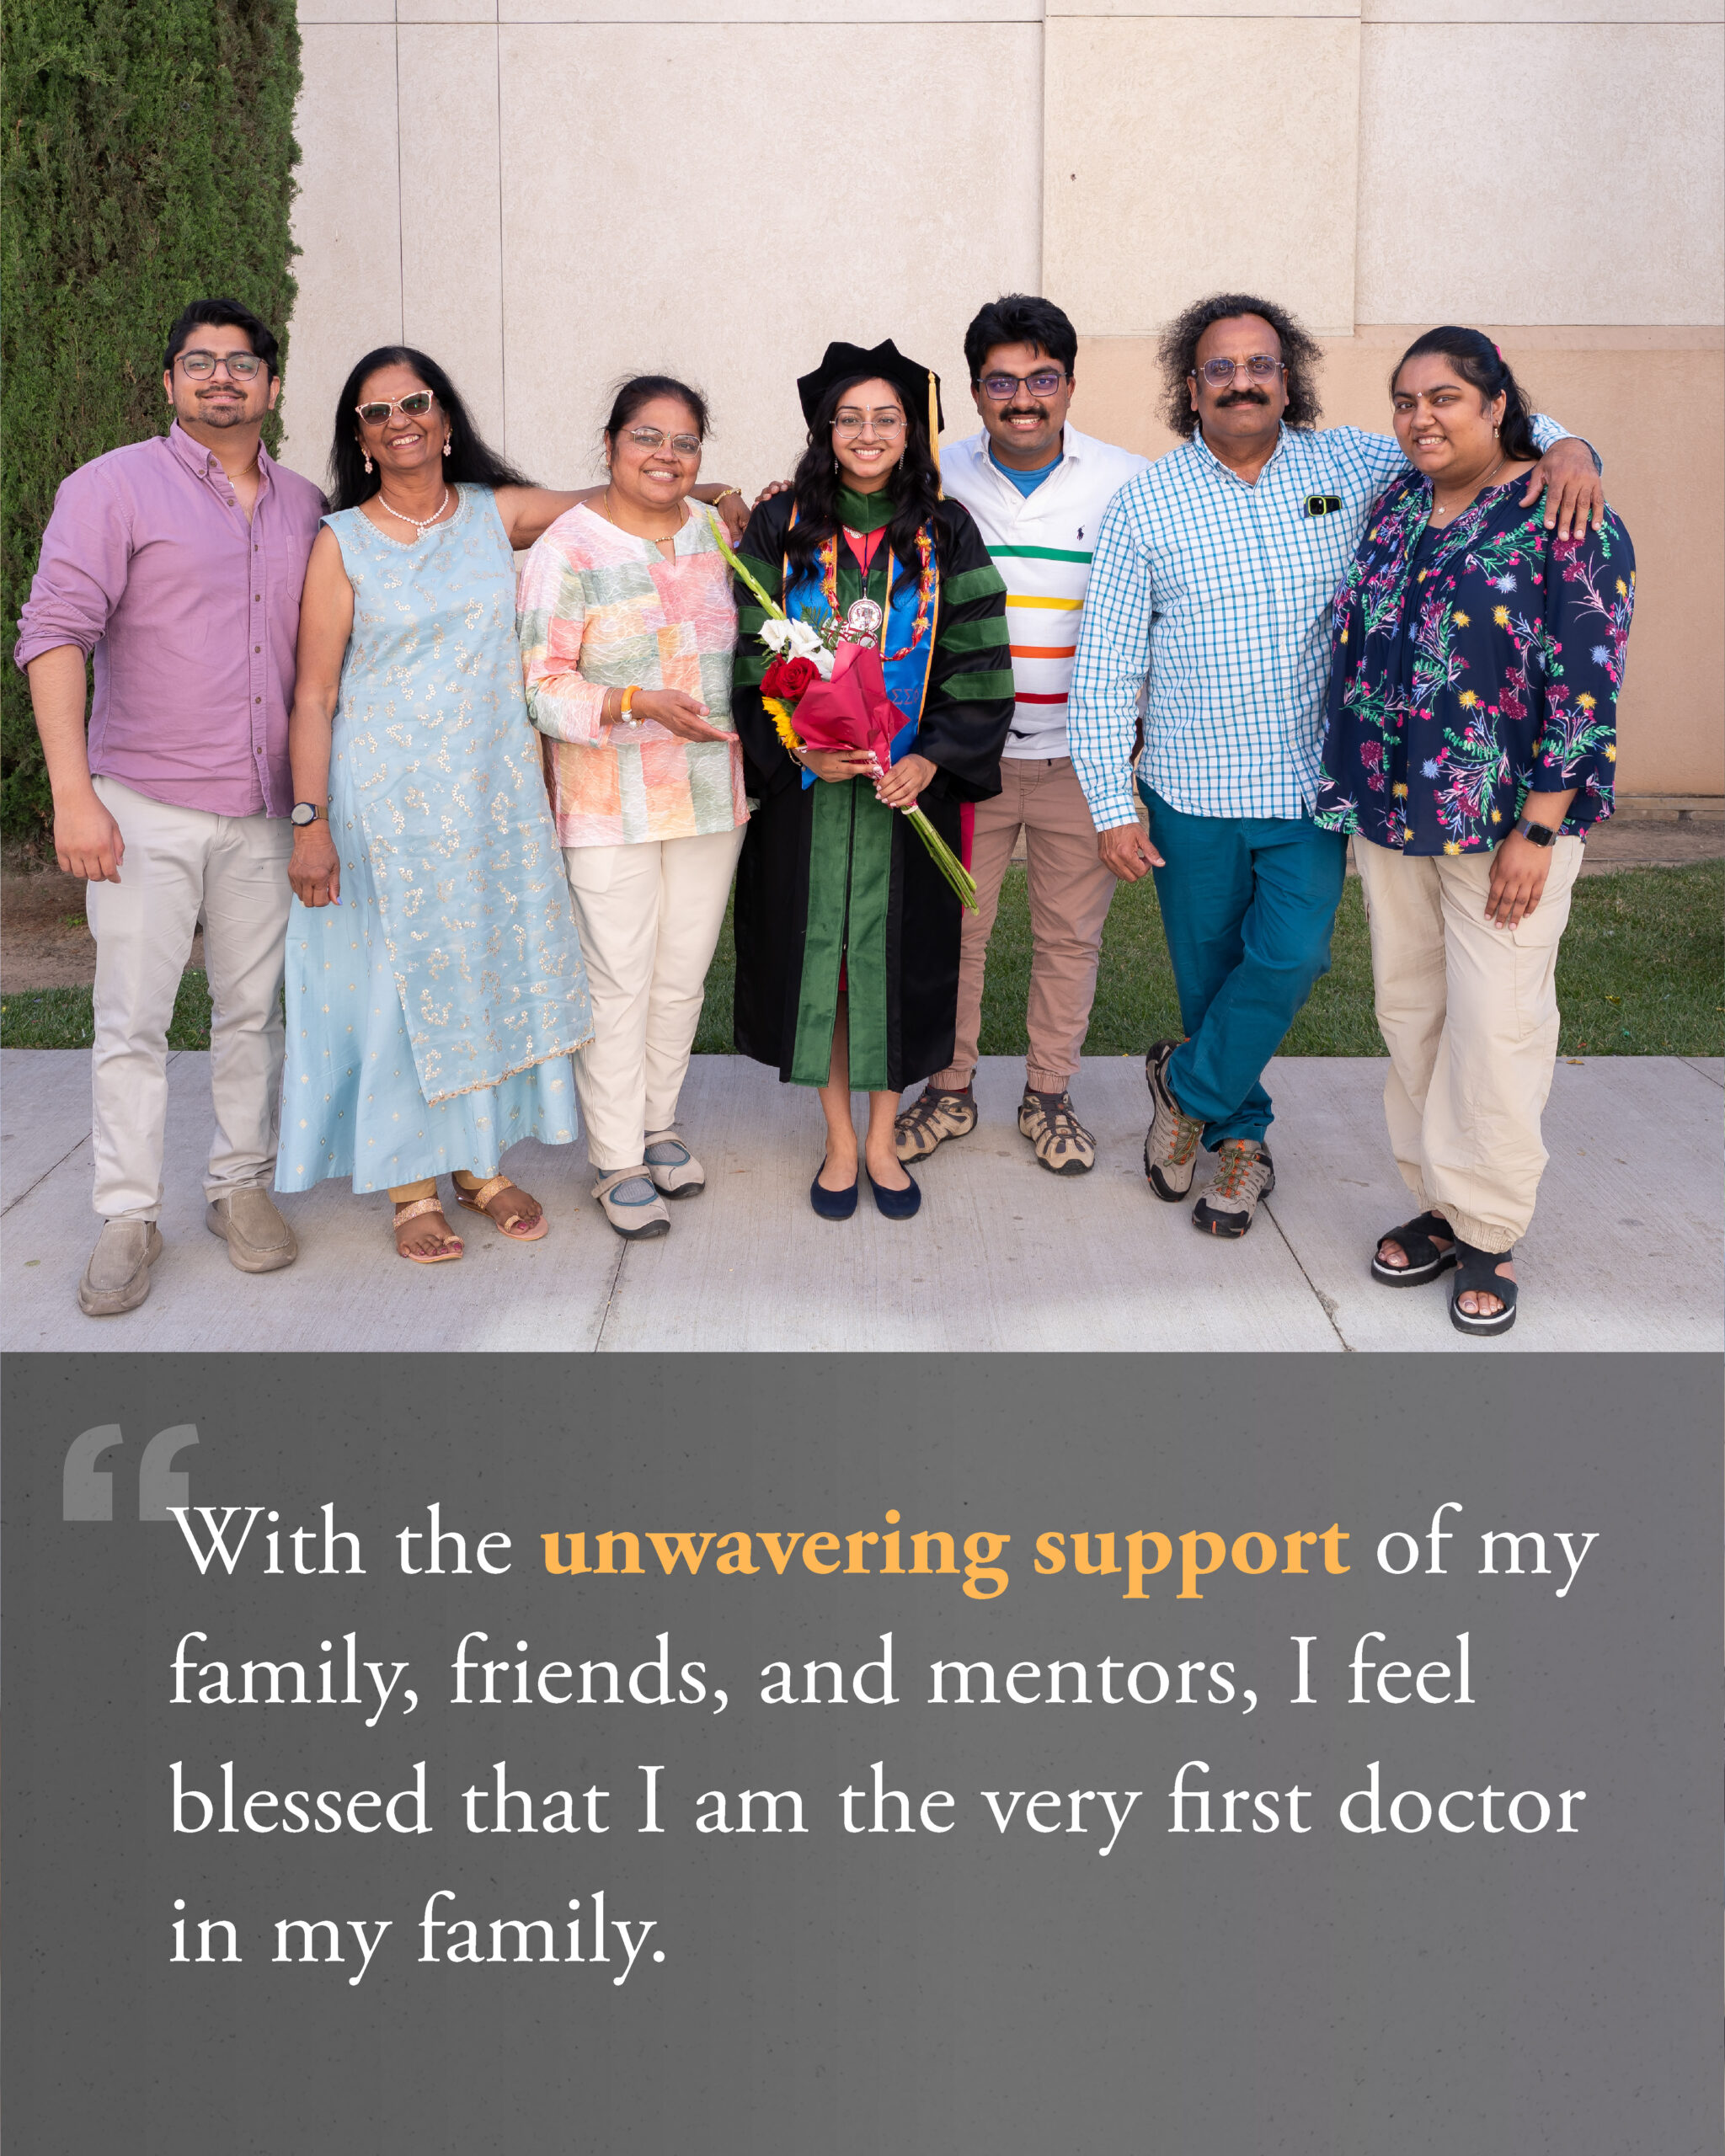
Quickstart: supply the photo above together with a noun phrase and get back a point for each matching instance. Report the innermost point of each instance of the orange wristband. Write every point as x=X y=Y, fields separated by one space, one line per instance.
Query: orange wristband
x=629 y=696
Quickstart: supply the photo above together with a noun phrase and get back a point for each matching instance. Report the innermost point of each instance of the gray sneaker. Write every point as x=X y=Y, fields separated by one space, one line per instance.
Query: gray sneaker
x=118 y=1275
x=628 y=1200
x=1170 y=1143
x=1244 y=1174
x=259 y=1240
x=673 y=1169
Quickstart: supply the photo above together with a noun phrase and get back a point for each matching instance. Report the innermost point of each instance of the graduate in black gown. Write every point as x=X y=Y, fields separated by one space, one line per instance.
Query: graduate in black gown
x=846 y=930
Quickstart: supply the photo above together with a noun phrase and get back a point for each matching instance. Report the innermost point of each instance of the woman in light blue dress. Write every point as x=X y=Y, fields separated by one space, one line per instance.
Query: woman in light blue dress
x=436 y=989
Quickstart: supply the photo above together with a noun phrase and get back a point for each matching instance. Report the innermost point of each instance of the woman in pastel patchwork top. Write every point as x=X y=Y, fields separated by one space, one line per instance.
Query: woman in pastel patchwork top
x=847 y=933
x=1471 y=742
x=434 y=986
x=626 y=625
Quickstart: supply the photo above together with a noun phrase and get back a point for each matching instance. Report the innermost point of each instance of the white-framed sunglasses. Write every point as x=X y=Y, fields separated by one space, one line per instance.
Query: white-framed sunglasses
x=413 y=405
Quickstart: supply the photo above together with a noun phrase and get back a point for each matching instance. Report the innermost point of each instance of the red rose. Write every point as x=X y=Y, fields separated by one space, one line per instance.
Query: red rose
x=787 y=679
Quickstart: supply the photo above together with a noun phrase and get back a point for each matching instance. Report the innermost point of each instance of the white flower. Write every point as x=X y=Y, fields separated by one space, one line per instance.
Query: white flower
x=776 y=633
x=805 y=641
x=822 y=659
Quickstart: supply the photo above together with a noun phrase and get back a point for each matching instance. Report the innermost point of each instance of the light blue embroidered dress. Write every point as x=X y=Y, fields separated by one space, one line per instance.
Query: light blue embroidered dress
x=432 y=1012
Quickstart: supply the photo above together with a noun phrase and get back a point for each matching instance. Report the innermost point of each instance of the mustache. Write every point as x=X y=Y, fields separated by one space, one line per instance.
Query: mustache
x=1242 y=396
x=1025 y=411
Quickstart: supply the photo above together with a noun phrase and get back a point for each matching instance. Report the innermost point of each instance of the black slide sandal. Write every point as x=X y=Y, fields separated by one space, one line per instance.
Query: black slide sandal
x=1477 y=1274
x=1425 y=1261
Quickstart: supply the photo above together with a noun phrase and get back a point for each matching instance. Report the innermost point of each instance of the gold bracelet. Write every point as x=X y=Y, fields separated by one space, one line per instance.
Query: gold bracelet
x=724 y=494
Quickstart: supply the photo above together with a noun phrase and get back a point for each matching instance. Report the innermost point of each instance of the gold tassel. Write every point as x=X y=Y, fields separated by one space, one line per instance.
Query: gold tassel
x=934 y=433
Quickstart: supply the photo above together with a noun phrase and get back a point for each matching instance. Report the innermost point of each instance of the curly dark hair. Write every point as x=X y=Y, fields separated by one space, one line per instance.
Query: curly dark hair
x=913 y=488
x=1301 y=355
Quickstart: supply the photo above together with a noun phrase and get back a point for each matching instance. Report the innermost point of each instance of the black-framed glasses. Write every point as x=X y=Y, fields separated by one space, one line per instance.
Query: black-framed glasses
x=413 y=405
x=242 y=366
x=1219 y=373
x=651 y=438
x=1045 y=382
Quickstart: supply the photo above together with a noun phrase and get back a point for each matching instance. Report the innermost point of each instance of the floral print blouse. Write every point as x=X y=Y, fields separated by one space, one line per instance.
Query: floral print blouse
x=1472 y=666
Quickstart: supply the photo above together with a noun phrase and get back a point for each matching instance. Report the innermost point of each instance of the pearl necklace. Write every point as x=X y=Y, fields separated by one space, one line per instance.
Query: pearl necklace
x=418 y=525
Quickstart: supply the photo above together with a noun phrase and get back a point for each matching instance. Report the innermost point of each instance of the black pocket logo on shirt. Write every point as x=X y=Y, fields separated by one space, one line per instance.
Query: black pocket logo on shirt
x=1322 y=505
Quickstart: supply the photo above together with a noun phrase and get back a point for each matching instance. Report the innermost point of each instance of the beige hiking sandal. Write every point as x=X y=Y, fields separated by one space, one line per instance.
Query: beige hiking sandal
x=930 y=1120
x=1172 y=1142
x=1244 y=1174
x=1057 y=1138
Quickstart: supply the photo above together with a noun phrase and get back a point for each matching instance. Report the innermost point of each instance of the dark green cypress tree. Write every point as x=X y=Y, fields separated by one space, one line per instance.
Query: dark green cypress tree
x=146 y=159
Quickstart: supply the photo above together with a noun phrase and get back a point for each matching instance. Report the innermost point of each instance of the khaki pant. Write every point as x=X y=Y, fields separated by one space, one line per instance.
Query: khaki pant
x=1469 y=1014
x=650 y=916
x=182 y=864
x=1070 y=894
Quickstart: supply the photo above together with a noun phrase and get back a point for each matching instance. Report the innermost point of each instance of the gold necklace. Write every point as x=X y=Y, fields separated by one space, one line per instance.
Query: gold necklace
x=663 y=541
x=1449 y=516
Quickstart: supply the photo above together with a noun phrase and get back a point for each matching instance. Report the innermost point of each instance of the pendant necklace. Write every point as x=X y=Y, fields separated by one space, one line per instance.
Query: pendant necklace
x=664 y=540
x=1442 y=522
x=419 y=525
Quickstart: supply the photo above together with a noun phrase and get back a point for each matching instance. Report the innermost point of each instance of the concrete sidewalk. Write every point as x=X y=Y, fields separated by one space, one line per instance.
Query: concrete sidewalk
x=1626 y=1253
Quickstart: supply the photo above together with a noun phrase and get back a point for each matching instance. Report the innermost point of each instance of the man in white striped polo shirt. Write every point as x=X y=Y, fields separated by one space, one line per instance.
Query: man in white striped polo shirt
x=1037 y=488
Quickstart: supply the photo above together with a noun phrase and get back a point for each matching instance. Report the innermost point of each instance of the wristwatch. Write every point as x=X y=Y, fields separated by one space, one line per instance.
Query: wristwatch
x=1537 y=834
x=306 y=812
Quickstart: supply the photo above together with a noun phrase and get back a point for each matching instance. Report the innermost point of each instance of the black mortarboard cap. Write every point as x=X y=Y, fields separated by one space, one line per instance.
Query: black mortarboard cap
x=851 y=362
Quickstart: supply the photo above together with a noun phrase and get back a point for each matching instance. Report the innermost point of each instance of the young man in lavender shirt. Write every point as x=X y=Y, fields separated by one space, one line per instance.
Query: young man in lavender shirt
x=178 y=561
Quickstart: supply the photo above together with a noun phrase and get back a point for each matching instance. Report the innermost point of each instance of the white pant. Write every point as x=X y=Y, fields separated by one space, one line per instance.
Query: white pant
x=181 y=864
x=1469 y=1014
x=650 y=916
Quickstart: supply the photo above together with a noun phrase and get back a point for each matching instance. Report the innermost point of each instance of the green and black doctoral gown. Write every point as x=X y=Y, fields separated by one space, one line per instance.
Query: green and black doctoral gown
x=831 y=880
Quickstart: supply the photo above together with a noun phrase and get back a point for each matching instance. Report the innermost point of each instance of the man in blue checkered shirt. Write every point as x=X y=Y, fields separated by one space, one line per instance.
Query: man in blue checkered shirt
x=1207 y=612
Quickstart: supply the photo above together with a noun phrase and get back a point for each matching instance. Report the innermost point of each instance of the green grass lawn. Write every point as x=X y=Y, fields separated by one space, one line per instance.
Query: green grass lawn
x=1641 y=972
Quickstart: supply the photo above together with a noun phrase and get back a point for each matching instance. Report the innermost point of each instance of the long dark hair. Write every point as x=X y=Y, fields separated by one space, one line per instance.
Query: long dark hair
x=913 y=488
x=1301 y=353
x=1477 y=360
x=470 y=460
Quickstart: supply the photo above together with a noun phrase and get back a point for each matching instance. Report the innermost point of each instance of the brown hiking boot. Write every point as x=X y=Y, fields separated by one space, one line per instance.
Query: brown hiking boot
x=930 y=1120
x=1244 y=1174
x=1170 y=1143
x=1059 y=1141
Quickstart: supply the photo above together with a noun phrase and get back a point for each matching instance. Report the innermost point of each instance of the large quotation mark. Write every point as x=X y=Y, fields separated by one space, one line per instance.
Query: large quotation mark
x=87 y=1491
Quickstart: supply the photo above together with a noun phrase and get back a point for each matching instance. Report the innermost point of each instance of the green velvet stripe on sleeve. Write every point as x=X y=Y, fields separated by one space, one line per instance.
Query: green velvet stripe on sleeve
x=984 y=583
x=979 y=688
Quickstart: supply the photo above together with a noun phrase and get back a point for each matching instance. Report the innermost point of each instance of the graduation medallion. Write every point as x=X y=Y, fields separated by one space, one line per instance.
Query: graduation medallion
x=862 y=622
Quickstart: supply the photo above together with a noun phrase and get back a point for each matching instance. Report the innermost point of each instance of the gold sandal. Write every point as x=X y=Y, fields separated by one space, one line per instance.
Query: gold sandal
x=476 y=1201
x=412 y=1211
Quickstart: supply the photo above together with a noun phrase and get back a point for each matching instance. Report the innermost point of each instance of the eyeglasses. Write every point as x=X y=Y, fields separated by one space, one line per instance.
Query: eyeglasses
x=1219 y=373
x=241 y=366
x=655 y=438
x=1001 y=387
x=413 y=405
x=886 y=424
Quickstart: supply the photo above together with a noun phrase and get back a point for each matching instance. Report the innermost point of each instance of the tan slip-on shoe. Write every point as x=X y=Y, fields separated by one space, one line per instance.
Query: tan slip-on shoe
x=674 y=1170
x=118 y=1275
x=259 y=1240
x=628 y=1200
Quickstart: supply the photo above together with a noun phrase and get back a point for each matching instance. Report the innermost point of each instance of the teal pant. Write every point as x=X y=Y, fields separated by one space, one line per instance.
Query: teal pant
x=1247 y=903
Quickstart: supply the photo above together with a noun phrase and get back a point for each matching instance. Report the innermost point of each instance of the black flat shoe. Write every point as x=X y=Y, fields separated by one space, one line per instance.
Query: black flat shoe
x=831 y=1204
x=896 y=1204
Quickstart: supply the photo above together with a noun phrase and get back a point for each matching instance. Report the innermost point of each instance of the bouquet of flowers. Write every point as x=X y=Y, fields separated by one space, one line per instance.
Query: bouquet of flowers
x=825 y=689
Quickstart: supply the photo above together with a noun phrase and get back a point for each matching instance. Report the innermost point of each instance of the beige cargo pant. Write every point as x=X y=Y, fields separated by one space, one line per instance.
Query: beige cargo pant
x=1469 y=1014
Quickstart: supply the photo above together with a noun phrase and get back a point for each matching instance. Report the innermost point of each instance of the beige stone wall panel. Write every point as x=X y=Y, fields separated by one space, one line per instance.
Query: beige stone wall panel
x=345 y=224
x=1596 y=192
x=667 y=250
x=1185 y=156
x=450 y=219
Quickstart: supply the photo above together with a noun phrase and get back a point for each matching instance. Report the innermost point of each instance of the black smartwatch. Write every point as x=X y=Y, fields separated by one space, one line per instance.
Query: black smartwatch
x=304 y=812
x=1536 y=834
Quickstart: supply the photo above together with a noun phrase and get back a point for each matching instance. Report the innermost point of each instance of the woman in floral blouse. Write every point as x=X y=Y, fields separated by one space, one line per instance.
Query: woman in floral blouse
x=1469 y=746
